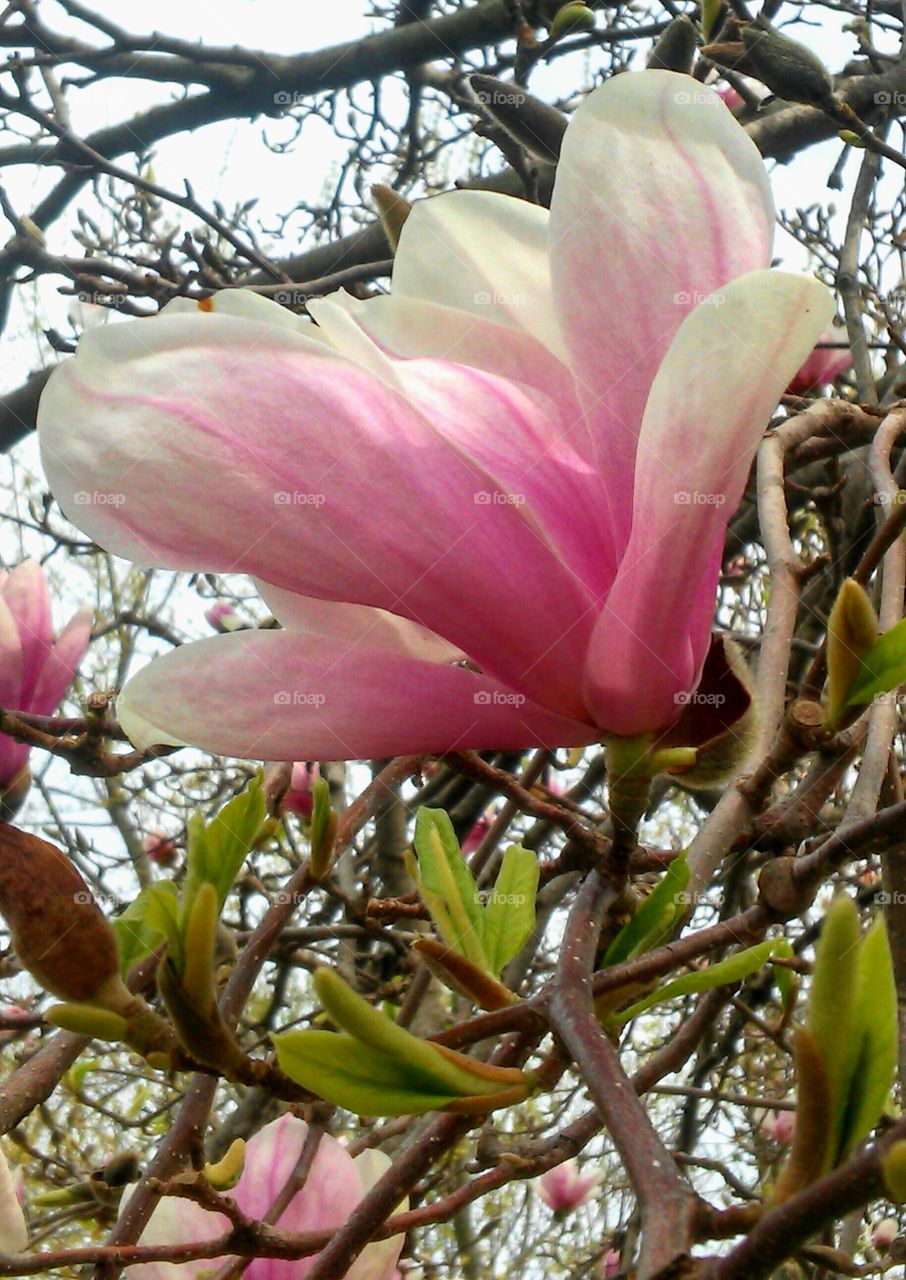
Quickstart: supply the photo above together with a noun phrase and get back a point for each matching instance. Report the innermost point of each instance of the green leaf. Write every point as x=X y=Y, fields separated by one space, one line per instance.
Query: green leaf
x=352 y=1075
x=724 y=973
x=876 y=1065
x=833 y=1017
x=447 y=886
x=654 y=920
x=217 y=850
x=138 y=930
x=883 y=667
x=509 y=914
x=785 y=978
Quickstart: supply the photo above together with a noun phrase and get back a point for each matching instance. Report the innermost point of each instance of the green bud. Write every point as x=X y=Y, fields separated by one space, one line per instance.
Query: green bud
x=323 y=831
x=789 y=70
x=88 y=1020
x=675 y=50
x=571 y=18
x=532 y=123
x=227 y=1171
x=200 y=938
x=852 y=629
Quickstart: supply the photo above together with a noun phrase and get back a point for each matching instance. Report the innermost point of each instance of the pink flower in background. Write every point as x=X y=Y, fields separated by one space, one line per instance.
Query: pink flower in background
x=160 y=848
x=35 y=670
x=13 y=1228
x=779 y=1126
x=732 y=97
x=487 y=509
x=476 y=834
x=335 y=1184
x=298 y=798
x=564 y=1188
x=223 y=617
x=884 y=1234
x=823 y=365
x=610 y=1263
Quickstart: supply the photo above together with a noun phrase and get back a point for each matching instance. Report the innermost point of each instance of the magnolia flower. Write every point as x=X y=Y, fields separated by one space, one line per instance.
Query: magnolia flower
x=298 y=798
x=564 y=1188
x=13 y=1228
x=335 y=1184
x=488 y=509
x=779 y=1126
x=35 y=670
x=823 y=365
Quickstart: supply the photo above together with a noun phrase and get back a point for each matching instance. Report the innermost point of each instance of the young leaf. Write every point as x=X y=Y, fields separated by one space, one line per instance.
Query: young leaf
x=876 y=1065
x=136 y=934
x=833 y=1017
x=814 y=1119
x=883 y=667
x=724 y=973
x=161 y=914
x=654 y=920
x=447 y=886
x=783 y=976
x=509 y=914
x=217 y=850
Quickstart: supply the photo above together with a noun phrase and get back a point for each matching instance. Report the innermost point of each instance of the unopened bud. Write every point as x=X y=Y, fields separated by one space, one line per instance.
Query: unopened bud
x=884 y=1234
x=571 y=18
x=460 y=975
x=675 y=50
x=789 y=70
x=532 y=123
x=394 y=210
x=58 y=931
x=223 y=617
x=227 y=1171
x=88 y=1020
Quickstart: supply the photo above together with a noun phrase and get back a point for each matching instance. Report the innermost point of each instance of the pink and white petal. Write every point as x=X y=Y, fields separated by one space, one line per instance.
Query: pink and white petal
x=660 y=199
x=330 y=1193
x=415 y=328
x=708 y=408
x=242 y=304
x=62 y=663
x=352 y=624
x=11 y=661
x=483 y=253
x=286 y=695
x=376 y=1261
x=27 y=598
x=177 y=1221
x=212 y=443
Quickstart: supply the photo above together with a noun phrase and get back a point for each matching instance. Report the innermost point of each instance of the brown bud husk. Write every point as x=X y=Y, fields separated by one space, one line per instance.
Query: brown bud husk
x=13 y=795
x=675 y=50
x=532 y=123
x=59 y=932
x=460 y=975
x=394 y=209
x=789 y=70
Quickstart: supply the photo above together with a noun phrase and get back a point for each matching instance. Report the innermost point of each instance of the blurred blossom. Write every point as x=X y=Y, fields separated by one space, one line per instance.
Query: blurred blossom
x=35 y=670
x=779 y=1126
x=160 y=848
x=335 y=1184
x=884 y=1234
x=611 y=1263
x=13 y=1229
x=564 y=1188
x=223 y=617
x=476 y=834
x=298 y=798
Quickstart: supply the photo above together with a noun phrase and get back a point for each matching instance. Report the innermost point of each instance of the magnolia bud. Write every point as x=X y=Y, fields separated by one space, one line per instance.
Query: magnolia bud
x=159 y=848
x=534 y=125
x=570 y=19
x=788 y=69
x=223 y=617
x=779 y=1126
x=675 y=50
x=394 y=210
x=884 y=1234
x=59 y=932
